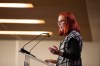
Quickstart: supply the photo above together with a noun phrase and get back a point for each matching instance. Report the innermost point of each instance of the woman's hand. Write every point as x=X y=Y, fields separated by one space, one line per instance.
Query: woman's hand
x=54 y=50
x=51 y=61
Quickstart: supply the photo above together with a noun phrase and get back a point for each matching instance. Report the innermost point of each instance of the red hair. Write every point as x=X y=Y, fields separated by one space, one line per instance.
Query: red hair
x=71 y=21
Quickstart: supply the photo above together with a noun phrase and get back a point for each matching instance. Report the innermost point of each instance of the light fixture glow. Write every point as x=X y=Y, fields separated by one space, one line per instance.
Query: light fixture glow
x=25 y=21
x=24 y=32
x=16 y=5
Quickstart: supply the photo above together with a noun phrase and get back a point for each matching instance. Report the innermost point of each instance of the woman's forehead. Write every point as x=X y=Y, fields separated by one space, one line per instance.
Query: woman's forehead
x=61 y=17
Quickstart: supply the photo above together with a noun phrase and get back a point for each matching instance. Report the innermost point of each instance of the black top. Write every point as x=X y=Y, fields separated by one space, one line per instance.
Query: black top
x=73 y=50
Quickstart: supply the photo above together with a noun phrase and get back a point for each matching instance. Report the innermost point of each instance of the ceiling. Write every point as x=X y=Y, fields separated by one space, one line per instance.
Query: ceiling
x=47 y=10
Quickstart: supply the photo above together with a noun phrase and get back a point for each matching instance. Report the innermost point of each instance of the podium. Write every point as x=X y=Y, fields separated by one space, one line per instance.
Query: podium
x=29 y=56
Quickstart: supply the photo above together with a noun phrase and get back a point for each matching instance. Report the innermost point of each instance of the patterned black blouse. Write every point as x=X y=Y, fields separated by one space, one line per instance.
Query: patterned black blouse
x=71 y=48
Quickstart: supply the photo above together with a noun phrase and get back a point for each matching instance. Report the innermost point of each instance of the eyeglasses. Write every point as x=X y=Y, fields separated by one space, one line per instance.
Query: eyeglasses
x=61 y=22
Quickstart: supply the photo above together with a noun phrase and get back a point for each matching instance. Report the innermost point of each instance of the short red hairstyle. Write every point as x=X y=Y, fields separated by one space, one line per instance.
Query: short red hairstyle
x=71 y=21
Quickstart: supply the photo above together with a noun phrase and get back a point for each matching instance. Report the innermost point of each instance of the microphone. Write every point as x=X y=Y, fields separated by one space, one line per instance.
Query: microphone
x=27 y=52
x=36 y=38
x=48 y=35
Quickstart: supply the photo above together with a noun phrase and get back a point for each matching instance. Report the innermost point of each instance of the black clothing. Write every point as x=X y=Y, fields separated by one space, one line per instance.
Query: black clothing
x=71 y=48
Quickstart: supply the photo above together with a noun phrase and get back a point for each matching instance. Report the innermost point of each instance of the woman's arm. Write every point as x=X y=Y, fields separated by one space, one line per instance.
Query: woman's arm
x=51 y=61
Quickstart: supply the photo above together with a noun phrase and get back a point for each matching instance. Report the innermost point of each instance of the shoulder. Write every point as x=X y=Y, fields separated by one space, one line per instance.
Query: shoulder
x=74 y=35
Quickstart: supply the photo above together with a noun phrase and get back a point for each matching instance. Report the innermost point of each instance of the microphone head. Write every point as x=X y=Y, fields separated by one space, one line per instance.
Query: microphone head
x=47 y=34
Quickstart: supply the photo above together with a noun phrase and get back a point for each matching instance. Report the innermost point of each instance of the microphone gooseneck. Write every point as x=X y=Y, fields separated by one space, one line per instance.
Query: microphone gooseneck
x=25 y=51
x=37 y=43
x=40 y=40
x=36 y=38
x=32 y=40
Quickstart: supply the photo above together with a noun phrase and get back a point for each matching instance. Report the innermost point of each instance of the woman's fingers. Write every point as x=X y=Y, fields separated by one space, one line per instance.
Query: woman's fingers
x=55 y=47
x=54 y=50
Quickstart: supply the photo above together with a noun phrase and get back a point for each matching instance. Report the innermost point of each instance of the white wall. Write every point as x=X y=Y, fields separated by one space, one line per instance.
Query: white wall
x=7 y=53
x=93 y=9
x=90 y=54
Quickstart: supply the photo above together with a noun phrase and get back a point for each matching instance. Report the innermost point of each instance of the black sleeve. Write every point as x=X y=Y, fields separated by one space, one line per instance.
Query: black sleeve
x=73 y=51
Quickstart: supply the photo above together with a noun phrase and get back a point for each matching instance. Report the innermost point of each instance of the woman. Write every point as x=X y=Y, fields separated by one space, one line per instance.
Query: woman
x=69 y=52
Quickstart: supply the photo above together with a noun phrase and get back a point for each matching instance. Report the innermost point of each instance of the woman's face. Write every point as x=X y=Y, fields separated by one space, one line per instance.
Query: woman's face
x=62 y=23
